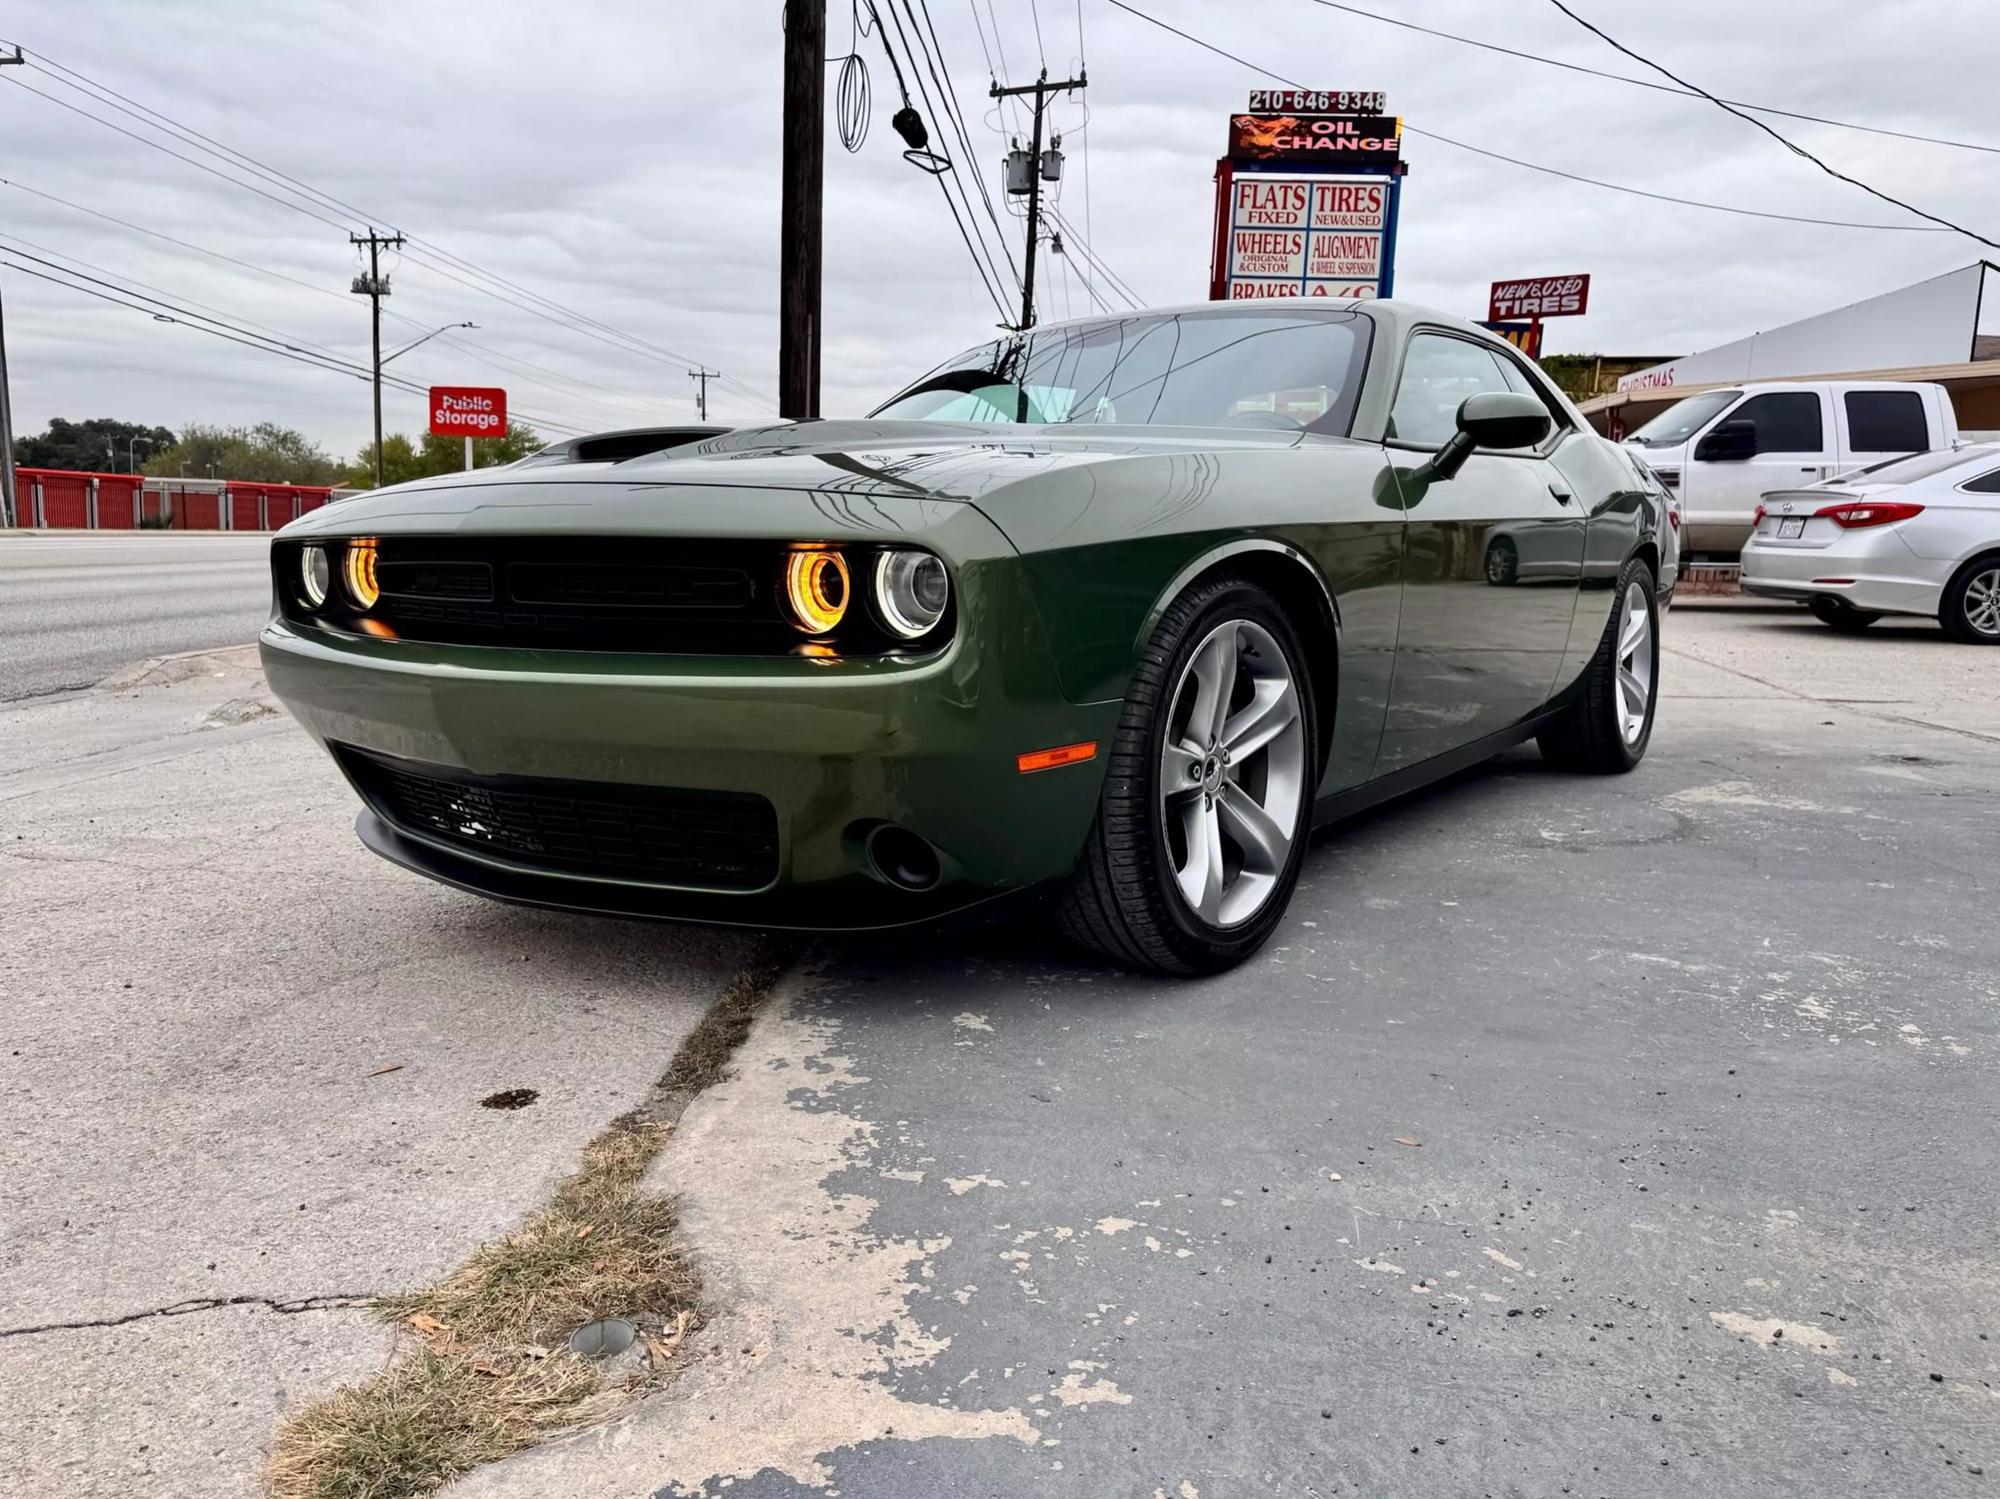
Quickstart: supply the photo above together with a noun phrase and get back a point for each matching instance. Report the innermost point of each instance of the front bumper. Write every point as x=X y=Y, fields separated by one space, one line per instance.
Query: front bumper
x=836 y=747
x=1882 y=574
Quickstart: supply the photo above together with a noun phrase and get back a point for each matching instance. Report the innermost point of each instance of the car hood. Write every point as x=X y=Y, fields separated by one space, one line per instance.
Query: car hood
x=952 y=462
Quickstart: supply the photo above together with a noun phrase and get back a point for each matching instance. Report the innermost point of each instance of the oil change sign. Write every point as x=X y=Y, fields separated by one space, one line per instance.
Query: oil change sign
x=468 y=411
x=1300 y=236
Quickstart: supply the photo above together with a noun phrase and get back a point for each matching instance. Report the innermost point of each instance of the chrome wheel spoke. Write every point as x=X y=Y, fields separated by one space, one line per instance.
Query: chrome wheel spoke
x=1265 y=845
x=1214 y=670
x=1635 y=631
x=1180 y=771
x=1273 y=709
x=1201 y=878
x=1633 y=691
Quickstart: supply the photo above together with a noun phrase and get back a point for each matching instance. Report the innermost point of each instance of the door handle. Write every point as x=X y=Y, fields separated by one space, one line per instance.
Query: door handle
x=1563 y=496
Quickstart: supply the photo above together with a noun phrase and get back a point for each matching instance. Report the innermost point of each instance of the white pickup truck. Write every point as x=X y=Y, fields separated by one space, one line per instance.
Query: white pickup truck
x=1723 y=449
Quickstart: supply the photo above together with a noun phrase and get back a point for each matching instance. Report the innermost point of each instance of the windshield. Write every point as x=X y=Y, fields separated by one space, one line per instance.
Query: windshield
x=1918 y=466
x=1288 y=372
x=1682 y=420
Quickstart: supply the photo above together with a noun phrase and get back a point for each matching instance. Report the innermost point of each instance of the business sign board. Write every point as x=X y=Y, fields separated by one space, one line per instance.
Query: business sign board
x=1338 y=142
x=1527 y=337
x=1932 y=322
x=1299 y=235
x=1543 y=296
x=468 y=411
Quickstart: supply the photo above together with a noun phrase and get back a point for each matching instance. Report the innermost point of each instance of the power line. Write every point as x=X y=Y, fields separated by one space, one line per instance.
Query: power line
x=1646 y=83
x=197 y=165
x=195 y=322
x=931 y=63
x=982 y=265
x=1110 y=277
x=1789 y=145
x=476 y=350
x=200 y=323
x=1616 y=187
x=965 y=139
x=295 y=188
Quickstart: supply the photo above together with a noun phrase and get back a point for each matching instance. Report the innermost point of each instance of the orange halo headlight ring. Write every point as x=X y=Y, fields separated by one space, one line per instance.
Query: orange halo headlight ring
x=357 y=570
x=817 y=588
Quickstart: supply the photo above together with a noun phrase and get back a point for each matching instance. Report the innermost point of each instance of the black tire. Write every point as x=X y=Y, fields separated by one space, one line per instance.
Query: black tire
x=1122 y=902
x=1841 y=616
x=1954 y=608
x=1503 y=562
x=1588 y=736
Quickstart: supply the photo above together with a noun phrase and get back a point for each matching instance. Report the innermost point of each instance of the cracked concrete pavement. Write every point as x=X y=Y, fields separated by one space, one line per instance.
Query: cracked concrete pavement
x=1592 y=1136
x=240 y=1086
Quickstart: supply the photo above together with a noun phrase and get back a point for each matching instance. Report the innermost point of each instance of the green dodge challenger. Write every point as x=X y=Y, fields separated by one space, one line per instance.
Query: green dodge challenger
x=1115 y=611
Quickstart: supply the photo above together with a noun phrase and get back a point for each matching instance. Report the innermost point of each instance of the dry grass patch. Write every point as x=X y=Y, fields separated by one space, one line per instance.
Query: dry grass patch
x=487 y=1371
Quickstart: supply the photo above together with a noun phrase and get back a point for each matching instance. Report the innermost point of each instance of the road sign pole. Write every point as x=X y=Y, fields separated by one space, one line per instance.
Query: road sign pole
x=468 y=455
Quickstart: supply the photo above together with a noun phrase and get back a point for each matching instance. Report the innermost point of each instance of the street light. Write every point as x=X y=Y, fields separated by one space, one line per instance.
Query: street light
x=426 y=339
x=132 y=452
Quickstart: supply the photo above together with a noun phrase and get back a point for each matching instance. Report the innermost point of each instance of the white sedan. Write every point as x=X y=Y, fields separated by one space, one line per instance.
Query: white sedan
x=1918 y=535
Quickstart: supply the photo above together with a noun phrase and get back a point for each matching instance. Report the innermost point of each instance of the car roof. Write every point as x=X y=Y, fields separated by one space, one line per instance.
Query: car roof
x=1392 y=311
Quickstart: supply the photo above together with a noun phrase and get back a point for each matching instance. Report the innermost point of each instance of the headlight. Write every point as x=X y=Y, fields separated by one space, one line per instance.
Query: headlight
x=911 y=589
x=358 y=568
x=315 y=575
x=816 y=588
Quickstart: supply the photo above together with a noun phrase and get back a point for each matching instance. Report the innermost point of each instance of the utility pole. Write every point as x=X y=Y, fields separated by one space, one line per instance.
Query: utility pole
x=703 y=376
x=1041 y=88
x=10 y=514
x=799 y=210
x=375 y=286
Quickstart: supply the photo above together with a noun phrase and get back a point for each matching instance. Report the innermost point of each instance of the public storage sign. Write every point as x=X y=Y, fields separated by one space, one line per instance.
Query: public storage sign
x=468 y=411
x=1542 y=296
x=1305 y=236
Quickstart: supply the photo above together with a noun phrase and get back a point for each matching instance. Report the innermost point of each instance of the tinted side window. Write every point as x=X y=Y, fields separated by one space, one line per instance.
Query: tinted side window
x=1787 y=421
x=1886 y=421
x=1984 y=484
x=1439 y=373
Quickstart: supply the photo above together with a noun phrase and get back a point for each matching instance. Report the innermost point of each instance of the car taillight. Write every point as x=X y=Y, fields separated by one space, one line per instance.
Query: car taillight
x=1854 y=514
x=1757 y=519
x=1674 y=516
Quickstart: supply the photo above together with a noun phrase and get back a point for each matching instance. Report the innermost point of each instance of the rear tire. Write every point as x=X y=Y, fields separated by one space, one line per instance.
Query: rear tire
x=1841 y=616
x=1170 y=799
x=1606 y=730
x=1970 y=607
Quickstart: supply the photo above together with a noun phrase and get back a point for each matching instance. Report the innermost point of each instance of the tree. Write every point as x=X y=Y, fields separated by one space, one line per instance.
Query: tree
x=266 y=452
x=403 y=459
x=98 y=446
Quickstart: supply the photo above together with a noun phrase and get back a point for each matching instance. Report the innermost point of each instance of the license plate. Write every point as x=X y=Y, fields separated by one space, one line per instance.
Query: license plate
x=1794 y=527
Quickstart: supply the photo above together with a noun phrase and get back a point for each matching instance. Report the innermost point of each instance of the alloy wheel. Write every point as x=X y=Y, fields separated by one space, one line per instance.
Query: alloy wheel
x=1982 y=601
x=1635 y=663
x=1232 y=773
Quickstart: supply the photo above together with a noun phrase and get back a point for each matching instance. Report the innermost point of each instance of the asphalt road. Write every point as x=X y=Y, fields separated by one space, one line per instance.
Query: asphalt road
x=76 y=607
x=1620 y=1136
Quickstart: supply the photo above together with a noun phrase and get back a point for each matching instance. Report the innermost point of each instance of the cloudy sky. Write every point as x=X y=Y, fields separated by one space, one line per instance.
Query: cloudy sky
x=620 y=158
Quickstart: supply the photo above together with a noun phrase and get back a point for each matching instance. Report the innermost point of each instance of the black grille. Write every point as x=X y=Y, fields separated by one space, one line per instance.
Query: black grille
x=719 y=840
x=695 y=596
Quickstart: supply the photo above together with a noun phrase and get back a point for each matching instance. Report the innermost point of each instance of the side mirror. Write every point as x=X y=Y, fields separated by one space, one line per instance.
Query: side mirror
x=1494 y=419
x=1728 y=442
